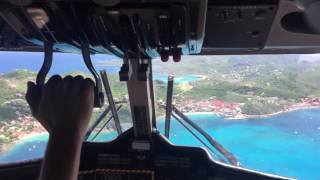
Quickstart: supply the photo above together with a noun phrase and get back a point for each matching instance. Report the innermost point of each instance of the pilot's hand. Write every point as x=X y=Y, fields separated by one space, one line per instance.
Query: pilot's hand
x=63 y=106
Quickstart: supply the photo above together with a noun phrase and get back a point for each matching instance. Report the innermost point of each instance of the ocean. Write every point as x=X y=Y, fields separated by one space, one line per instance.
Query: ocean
x=287 y=144
x=64 y=64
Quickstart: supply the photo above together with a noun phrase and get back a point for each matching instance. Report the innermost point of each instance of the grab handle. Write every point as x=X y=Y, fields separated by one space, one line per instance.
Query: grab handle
x=45 y=68
x=99 y=96
x=47 y=63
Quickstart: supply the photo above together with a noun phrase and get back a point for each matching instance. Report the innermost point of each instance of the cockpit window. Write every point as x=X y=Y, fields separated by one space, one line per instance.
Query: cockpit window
x=21 y=136
x=264 y=109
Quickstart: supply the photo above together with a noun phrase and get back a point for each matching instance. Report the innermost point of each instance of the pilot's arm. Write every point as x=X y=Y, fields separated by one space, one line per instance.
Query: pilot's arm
x=63 y=107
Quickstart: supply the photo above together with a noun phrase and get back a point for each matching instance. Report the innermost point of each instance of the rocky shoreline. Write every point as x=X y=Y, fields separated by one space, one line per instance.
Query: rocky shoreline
x=26 y=126
x=37 y=131
x=244 y=116
x=28 y=129
x=234 y=111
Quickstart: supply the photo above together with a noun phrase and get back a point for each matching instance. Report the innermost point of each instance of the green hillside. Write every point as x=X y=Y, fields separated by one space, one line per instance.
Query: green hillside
x=261 y=84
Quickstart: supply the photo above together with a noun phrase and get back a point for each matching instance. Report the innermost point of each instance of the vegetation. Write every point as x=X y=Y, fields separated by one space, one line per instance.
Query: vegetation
x=261 y=84
x=260 y=108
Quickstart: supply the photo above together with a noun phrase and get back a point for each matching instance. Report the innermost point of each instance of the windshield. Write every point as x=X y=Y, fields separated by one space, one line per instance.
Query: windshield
x=264 y=109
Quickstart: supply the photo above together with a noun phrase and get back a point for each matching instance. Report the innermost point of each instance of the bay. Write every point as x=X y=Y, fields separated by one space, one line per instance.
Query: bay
x=287 y=144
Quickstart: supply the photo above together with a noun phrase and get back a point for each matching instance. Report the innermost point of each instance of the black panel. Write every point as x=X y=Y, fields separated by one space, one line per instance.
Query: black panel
x=226 y=33
x=147 y=27
x=10 y=40
x=238 y=26
x=168 y=162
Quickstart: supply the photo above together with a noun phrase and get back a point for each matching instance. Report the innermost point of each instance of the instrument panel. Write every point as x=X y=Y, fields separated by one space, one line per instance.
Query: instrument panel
x=128 y=159
x=152 y=28
x=164 y=27
x=125 y=158
x=239 y=26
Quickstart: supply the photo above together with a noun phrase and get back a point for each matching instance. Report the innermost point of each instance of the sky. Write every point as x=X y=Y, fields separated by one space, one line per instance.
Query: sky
x=62 y=62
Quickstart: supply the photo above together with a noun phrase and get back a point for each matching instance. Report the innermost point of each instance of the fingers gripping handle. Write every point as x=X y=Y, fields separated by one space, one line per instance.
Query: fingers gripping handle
x=48 y=55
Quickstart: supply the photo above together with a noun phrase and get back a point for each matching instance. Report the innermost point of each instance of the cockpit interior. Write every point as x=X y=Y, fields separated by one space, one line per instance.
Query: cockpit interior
x=138 y=31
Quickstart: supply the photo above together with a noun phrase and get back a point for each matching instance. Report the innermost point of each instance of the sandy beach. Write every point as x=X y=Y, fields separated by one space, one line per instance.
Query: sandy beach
x=37 y=132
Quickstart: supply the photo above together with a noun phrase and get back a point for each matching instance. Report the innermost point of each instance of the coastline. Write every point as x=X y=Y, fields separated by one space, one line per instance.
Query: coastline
x=25 y=136
x=28 y=136
x=22 y=133
x=6 y=147
x=276 y=113
x=248 y=117
x=201 y=113
x=32 y=135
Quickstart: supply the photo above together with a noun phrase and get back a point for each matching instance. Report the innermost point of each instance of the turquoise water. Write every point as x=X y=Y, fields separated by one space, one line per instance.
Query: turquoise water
x=33 y=147
x=287 y=144
x=27 y=148
x=178 y=79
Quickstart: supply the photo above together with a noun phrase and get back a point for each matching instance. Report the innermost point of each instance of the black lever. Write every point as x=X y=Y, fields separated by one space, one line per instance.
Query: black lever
x=48 y=54
x=98 y=93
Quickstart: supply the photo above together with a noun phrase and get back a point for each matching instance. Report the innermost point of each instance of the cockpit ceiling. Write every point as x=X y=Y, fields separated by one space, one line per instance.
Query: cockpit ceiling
x=152 y=27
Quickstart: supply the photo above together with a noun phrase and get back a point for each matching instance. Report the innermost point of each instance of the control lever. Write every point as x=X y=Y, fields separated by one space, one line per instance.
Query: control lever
x=98 y=93
x=45 y=68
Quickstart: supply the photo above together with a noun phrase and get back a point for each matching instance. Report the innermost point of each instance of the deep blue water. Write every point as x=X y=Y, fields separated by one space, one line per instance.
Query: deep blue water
x=64 y=63
x=286 y=144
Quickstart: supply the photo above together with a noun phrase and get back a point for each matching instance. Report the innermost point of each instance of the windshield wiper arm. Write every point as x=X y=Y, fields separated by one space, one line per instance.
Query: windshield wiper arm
x=228 y=155
x=198 y=138
x=97 y=122
x=169 y=105
x=112 y=105
x=105 y=124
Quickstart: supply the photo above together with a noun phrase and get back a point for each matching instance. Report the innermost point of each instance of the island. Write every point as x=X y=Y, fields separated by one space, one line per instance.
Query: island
x=229 y=86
